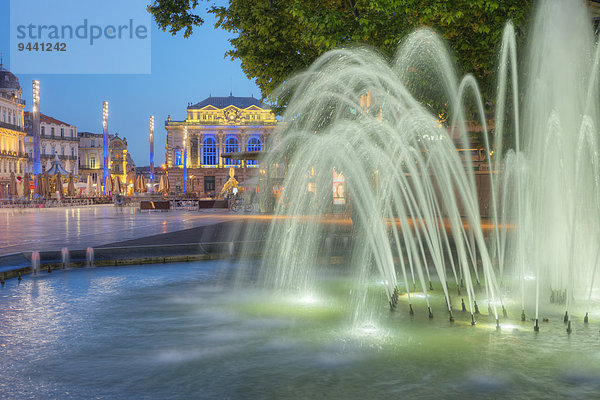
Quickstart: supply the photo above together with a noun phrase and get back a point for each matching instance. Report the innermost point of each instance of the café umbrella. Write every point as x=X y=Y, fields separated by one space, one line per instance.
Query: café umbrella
x=12 y=185
x=110 y=182
x=161 y=185
x=26 y=188
x=71 y=186
x=39 y=185
x=89 y=188
x=59 y=185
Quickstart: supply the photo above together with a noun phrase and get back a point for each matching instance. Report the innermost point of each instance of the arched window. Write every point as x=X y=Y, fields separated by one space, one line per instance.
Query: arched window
x=209 y=151
x=253 y=145
x=231 y=146
x=178 y=157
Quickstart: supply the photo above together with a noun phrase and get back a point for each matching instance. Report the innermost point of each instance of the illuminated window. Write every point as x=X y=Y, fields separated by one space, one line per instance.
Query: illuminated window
x=231 y=146
x=178 y=157
x=253 y=145
x=209 y=151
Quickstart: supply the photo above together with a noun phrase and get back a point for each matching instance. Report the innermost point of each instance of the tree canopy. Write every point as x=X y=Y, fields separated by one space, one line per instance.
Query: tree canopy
x=275 y=38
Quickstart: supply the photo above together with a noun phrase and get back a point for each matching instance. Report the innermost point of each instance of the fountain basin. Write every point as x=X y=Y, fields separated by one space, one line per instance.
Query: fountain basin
x=187 y=331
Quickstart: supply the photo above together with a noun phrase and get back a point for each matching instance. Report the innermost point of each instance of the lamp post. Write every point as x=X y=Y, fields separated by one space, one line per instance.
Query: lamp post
x=185 y=138
x=152 y=154
x=105 y=140
x=37 y=144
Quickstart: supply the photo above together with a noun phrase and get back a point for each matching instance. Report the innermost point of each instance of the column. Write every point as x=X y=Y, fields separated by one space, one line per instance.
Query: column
x=220 y=145
x=243 y=146
x=200 y=138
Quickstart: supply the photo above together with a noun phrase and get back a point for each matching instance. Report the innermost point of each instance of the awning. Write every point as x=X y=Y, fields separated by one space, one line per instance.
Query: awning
x=57 y=168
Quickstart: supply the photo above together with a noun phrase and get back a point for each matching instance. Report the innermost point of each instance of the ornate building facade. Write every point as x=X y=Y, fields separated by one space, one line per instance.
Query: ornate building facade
x=12 y=132
x=215 y=126
x=91 y=156
x=56 y=138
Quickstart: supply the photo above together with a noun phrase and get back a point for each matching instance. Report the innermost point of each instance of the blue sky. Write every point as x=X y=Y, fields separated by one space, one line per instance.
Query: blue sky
x=183 y=70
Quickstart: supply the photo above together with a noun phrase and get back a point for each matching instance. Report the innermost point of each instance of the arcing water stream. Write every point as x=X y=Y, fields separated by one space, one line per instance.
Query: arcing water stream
x=413 y=195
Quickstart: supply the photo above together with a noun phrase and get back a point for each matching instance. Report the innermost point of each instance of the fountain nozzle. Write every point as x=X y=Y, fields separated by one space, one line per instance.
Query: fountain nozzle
x=451 y=316
x=569 y=328
x=523 y=315
x=430 y=286
x=476 y=307
x=19 y=278
x=430 y=313
x=586 y=319
x=394 y=299
x=411 y=311
x=566 y=317
x=497 y=324
x=504 y=313
x=464 y=307
x=473 y=320
x=536 y=327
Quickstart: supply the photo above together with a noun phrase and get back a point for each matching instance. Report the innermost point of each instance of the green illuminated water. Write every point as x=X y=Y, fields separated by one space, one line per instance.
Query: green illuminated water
x=181 y=332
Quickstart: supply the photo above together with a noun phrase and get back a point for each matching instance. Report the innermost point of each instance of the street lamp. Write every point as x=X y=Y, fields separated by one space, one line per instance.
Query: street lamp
x=37 y=143
x=105 y=140
x=185 y=139
x=152 y=154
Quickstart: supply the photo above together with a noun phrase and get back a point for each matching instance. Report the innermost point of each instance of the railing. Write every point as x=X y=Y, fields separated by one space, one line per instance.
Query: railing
x=12 y=98
x=55 y=137
x=16 y=154
x=221 y=123
x=65 y=157
x=11 y=126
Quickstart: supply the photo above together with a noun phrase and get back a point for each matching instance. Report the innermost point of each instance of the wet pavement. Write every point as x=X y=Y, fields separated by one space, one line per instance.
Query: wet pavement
x=89 y=226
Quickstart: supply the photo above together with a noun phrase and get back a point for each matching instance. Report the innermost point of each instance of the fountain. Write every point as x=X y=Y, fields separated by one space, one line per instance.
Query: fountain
x=35 y=262
x=64 y=255
x=347 y=298
x=89 y=257
x=411 y=196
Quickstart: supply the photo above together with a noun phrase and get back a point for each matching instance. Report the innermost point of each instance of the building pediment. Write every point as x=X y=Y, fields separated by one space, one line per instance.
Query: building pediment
x=209 y=108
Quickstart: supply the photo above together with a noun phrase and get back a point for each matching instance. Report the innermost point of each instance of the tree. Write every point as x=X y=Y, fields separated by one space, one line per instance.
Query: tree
x=275 y=38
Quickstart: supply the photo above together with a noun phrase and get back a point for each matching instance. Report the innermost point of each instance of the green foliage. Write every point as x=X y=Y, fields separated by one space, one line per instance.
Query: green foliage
x=275 y=38
x=176 y=14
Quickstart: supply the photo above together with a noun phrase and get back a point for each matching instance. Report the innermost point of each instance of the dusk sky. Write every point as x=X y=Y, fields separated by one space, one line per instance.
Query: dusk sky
x=183 y=71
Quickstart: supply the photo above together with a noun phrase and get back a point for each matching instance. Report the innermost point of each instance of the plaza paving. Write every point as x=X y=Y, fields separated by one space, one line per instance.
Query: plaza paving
x=91 y=226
